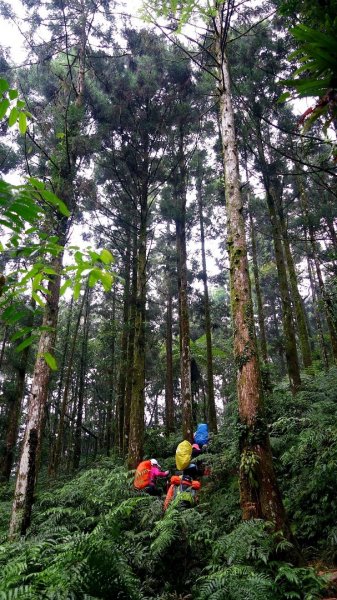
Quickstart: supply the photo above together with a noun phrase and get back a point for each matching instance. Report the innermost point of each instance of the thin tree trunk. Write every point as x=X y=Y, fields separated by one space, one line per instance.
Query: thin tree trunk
x=120 y=403
x=169 y=403
x=63 y=363
x=111 y=390
x=184 y=325
x=57 y=447
x=131 y=349
x=260 y=315
x=326 y=300
x=136 y=436
x=27 y=471
x=264 y=499
x=211 y=409
x=321 y=341
x=297 y=300
x=7 y=458
x=287 y=320
x=81 y=389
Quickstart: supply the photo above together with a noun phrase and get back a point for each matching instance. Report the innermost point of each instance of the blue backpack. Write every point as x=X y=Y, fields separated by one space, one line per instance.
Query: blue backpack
x=201 y=434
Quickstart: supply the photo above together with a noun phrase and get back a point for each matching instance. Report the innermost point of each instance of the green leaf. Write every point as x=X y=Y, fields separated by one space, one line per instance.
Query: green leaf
x=55 y=201
x=77 y=289
x=94 y=276
x=13 y=116
x=20 y=104
x=107 y=280
x=22 y=123
x=4 y=104
x=65 y=286
x=50 y=360
x=36 y=183
x=13 y=94
x=4 y=85
x=284 y=97
x=27 y=342
x=20 y=333
x=38 y=299
x=106 y=256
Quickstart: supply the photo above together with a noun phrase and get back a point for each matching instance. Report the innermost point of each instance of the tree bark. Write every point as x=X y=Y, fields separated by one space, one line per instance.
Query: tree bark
x=7 y=458
x=120 y=403
x=260 y=314
x=297 y=300
x=136 y=437
x=287 y=320
x=131 y=347
x=59 y=438
x=111 y=389
x=27 y=470
x=81 y=388
x=211 y=409
x=169 y=403
x=262 y=500
x=184 y=325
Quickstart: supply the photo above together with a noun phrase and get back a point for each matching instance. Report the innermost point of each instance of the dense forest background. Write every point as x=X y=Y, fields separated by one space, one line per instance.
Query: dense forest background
x=168 y=257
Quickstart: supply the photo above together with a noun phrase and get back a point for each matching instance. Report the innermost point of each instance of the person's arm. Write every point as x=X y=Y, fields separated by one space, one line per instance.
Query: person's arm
x=158 y=473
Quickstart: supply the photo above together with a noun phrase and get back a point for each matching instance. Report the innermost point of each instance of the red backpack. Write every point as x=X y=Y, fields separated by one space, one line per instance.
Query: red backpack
x=142 y=475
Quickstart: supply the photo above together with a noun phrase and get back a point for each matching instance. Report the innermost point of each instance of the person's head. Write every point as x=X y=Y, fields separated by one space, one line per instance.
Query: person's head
x=155 y=463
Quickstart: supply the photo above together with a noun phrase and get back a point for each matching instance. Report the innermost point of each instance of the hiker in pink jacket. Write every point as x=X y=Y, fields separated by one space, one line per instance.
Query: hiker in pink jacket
x=154 y=473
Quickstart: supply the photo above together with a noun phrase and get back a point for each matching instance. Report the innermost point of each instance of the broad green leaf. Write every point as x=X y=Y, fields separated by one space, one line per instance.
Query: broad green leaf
x=36 y=183
x=4 y=104
x=38 y=299
x=50 y=360
x=13 y=94
x=20 y=104
x=77 y=290
x=27 y=342
x=13 y=116
x=65 y=286
x=22 y=123
x=107 y=280
x=106 y=256
x=4 y=85
x=78 y=257
x=94 y=276
x=20 y=333
x=55 y=201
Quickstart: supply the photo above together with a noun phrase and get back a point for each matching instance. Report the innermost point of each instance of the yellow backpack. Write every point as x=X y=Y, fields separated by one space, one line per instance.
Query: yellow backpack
x=183 y=455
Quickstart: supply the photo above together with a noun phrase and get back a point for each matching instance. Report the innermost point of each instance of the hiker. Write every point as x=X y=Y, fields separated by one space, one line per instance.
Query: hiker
x=196 y=450
x=146 y=475
x=183 y=484
x=201 y=437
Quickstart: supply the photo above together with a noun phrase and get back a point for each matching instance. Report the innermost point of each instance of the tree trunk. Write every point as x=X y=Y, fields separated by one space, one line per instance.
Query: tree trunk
x=287 y=320
x=320 y=335
x=136 y=437
x=169 y=403
x=111 y=389
x=120 y=404
x=326 y=300
x=27 y=471
x=81 y=389
x=184 y=325
x=297 y=300
x=260 y=315
x=211 y=409
x=57 y=447
x=7 y=458
x=131 y=348
x=262 y=500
